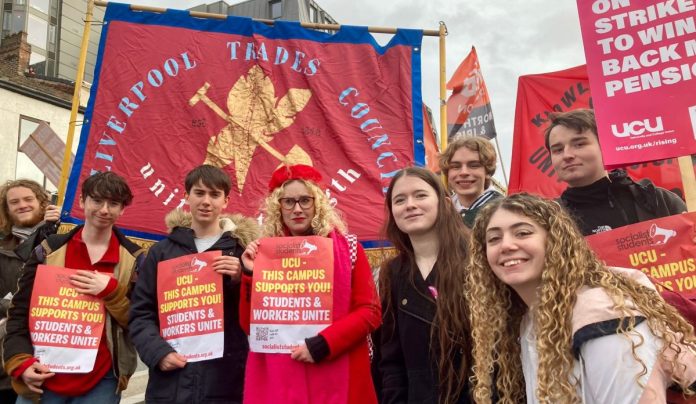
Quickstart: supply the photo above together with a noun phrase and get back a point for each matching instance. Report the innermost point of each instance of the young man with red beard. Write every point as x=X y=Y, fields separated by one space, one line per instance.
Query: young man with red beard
x=469 y=164
x=106 y=263
x=26 y=218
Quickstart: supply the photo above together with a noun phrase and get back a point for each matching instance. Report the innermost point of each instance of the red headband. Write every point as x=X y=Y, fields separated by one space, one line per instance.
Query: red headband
x=297 y=172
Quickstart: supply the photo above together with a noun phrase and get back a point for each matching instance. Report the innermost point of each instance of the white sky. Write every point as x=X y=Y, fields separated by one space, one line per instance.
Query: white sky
x=512 y=38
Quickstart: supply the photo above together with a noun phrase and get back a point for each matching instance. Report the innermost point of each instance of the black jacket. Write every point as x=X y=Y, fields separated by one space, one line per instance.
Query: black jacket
x=213 y=381
x=409 y=357
x=13 y=254
x=618 y=201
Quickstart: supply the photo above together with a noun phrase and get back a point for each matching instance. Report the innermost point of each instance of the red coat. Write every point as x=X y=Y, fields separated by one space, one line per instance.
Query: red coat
x=348 y=334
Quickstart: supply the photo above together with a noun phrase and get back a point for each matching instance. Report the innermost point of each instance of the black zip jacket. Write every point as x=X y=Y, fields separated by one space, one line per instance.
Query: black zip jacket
x=213 y=381
x=617 y=201
x=408 y=356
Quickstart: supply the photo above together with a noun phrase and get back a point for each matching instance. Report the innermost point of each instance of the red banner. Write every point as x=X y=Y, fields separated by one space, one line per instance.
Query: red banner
x=292 y=296
x=65 y=326
x=189 y=296
x=173 y=92
x=539 y=95
x=641 y=58
x=469 y=109
x=664 y=249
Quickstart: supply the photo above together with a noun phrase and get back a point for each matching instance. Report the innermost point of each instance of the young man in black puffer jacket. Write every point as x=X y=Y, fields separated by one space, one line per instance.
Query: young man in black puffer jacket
x=171 y=378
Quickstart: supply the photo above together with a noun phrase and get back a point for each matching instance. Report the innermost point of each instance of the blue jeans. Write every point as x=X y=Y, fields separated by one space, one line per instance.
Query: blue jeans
x=103 y=393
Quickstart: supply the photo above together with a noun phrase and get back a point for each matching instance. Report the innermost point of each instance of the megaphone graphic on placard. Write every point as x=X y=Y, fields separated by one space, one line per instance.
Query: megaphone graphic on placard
x=666 y=234
x=195 y=262
x=308 y=247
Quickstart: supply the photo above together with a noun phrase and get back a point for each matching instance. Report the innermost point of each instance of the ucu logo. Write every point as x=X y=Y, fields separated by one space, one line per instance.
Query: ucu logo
x=637 y=128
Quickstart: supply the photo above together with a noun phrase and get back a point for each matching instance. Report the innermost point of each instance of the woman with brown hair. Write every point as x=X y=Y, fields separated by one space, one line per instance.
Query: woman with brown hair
x=557 y=323
x=425 y=336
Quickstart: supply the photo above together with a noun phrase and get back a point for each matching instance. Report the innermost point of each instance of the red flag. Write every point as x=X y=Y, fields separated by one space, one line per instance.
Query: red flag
x=469 y=107
x=432 y=151
x=539 y=95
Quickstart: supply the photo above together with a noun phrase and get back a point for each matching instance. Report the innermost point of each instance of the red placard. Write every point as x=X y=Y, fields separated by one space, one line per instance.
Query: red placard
x=65 y=326
x=189 y=298
x=663 y=248
x=292 y=294
x=641 y=59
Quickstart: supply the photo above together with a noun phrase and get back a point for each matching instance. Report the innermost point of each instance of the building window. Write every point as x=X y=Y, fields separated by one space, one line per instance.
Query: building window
x=7 y=21
x=37 y=31
x=20 y=2
x=51 y=68
x=25 y=167
x=40 y=5
x=54 y=9
x=17 y=22
x=312 y=14
x=276 y=9
x=37 y=62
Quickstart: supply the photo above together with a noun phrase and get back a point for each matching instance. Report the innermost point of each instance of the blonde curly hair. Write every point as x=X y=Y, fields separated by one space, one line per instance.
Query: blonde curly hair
x=569 y=264
x=325 y=220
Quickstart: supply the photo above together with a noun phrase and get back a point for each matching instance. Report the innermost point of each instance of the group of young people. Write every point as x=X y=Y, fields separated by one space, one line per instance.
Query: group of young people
x=487 y=299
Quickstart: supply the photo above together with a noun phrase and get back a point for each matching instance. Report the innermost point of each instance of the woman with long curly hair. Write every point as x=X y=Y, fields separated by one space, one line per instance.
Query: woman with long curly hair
x=425 y=337
x=558 y=324
x=333 y=366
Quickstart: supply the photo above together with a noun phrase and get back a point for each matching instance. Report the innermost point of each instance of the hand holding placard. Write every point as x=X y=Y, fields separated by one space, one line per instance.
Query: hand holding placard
x=172 y=361
x=301 y=354
x=89 y=282
x=249 y=254
x=228 y=265
x=35 y=375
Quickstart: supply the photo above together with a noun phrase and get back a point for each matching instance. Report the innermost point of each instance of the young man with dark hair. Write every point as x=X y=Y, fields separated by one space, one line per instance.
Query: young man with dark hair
x=600 y=201
x=106 y=263
x=171 y=378
x=469 y=164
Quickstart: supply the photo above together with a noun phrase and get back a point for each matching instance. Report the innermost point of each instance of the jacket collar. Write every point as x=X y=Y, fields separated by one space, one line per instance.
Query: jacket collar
x=185 y=236
x=58 y=240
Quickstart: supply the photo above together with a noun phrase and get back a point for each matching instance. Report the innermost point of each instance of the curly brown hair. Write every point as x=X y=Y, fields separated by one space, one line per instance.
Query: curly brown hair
x=569 y=264
x=41 y=194
x=450 y=333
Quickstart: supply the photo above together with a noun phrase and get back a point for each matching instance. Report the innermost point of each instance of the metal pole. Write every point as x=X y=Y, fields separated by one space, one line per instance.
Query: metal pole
x=443 y=89
x=333 y=27
x=500 y=158
x=686 y=167
x=75 y=101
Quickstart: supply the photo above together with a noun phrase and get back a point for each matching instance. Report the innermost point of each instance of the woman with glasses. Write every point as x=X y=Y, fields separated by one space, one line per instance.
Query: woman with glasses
x=333 y=366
